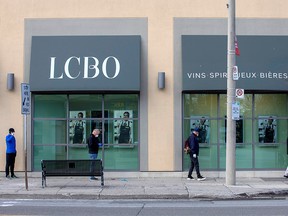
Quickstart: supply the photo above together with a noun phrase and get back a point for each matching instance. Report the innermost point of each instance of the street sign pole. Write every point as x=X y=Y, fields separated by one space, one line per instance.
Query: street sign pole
x=25 y=109
x=231 y=124
x=25 y=150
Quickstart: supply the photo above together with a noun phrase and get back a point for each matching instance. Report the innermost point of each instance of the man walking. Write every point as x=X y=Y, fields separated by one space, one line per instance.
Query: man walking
x=194 y=146
x=10 y=154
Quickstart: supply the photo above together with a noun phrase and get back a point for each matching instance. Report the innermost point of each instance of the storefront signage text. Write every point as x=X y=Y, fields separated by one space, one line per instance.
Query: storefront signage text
x=242 y=75
x=86 y=64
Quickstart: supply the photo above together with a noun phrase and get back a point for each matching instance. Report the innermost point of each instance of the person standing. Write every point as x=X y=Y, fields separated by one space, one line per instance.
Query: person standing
x=10 y=154
x=194 y=153
x=93 y=146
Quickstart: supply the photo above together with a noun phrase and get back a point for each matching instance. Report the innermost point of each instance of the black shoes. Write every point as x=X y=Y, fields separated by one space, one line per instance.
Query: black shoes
x=201 y=178
x=190 y=178
x=10 y=177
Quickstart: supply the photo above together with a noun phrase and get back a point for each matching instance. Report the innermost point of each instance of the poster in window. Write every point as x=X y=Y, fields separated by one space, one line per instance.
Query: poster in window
x=77 y=127
x=123 y=126
x=203 y=124
x=97 y=123
x=267 y=129
x=239 y=129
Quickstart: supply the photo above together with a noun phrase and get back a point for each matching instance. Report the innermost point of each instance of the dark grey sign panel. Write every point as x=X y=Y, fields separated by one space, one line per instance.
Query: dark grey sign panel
x=262 y=63
x=82 y=63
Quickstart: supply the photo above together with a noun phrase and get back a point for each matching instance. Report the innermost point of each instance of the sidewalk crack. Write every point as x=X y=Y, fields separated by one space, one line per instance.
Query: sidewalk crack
x=141 y=209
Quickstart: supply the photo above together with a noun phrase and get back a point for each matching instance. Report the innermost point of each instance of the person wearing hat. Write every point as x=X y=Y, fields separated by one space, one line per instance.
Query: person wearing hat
x=194 y=146
x=10 y=153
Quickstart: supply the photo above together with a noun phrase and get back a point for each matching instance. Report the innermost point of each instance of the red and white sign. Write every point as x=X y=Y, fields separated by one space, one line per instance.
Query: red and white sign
x=239 y=93
x=235 y=73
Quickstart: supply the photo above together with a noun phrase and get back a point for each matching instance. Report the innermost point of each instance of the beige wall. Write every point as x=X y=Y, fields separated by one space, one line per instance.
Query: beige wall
x=160 y=15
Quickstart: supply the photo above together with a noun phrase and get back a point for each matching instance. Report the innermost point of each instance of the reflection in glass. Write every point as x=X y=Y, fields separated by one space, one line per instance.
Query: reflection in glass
x=50 y=132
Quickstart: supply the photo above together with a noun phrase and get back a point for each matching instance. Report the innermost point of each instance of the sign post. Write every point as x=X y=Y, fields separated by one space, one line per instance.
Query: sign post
x=25 y=110
x=231 y=84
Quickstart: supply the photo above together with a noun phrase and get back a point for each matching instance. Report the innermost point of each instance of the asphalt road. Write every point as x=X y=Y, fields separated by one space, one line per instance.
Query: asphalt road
x=143 y=207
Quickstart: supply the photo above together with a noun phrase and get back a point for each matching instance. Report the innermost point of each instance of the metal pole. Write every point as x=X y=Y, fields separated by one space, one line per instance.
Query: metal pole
x=25 y=150
x=231 y=125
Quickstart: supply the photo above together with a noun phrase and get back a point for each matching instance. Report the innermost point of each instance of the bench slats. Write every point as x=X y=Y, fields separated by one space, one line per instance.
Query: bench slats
x=72 y=168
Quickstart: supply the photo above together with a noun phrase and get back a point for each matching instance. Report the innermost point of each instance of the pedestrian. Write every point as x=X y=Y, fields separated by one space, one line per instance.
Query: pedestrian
x=286 y=171
x=93 y=146
x=194 y=153
x=10 y=154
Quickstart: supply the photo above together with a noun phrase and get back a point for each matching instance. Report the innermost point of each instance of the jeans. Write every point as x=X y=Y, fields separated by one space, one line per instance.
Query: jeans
x=92 y=165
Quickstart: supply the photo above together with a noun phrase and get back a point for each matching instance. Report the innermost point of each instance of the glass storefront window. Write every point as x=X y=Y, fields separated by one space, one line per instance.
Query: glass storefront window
x=49 y=132
x=121 y=158
x=271 y=157
x=200 y=105
x=65 y=133
x=122 y=132
x=89 y=105
x=245 y=106
x=120 y=103
x=261 y=131
x=50 y=106
x=43 y=152
x=271 y=104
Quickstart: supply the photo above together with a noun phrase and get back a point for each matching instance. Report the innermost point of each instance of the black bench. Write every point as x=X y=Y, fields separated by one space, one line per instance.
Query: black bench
x=72 y=168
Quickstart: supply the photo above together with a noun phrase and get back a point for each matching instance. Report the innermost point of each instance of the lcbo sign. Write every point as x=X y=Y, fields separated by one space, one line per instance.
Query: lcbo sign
x=85 y=63
x=85 y=67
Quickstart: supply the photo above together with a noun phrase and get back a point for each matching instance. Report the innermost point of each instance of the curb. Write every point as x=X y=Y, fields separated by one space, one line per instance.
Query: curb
x=243 y=196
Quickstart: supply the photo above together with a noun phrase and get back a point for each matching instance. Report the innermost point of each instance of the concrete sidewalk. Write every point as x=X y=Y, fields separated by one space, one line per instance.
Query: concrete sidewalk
x=143 y=188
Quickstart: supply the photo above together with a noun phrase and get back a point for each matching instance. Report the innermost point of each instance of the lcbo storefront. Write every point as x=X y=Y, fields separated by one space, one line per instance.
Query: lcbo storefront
x=91 y=79
x=71 y=79
x=261 y=131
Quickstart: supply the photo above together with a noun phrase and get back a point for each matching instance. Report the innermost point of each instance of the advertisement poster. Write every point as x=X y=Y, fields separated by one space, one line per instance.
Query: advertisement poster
x=77 y=127
x=267 y=129
x=123 y=127
x=203 y=124
x=239 y=130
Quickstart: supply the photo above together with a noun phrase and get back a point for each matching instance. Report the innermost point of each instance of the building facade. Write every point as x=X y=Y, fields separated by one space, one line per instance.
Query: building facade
x=97 y=64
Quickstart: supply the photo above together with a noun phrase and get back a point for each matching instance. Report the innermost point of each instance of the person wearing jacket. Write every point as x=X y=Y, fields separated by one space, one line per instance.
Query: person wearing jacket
x=93 y=146
x=194 y=153
x=10 y=153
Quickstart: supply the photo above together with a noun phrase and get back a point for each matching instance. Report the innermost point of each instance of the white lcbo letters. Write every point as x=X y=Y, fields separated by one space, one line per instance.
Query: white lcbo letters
x=86 y=68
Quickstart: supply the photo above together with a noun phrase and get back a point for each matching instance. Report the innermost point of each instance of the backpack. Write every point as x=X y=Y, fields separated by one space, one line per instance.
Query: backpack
x=187 y=149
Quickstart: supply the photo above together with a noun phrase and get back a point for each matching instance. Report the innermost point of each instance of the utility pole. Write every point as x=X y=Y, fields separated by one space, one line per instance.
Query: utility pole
x=231 y=124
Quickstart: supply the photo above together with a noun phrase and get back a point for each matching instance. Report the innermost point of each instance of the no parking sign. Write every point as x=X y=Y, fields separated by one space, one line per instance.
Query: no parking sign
x=239 y=93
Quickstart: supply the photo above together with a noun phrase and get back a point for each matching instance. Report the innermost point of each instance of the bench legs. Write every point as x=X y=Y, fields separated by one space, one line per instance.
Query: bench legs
x=102 y=179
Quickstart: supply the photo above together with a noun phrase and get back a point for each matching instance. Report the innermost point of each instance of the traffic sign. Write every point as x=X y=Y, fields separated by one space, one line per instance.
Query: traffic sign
x=235 y=110
x=235 y=73
x=239 y=93
x=25 y=98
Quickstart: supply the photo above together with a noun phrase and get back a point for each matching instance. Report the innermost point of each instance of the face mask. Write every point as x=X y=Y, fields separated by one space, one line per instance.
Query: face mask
x=12 y=134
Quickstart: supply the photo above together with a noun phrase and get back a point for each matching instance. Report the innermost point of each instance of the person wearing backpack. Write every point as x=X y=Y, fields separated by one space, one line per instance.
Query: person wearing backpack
x=194 y=153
